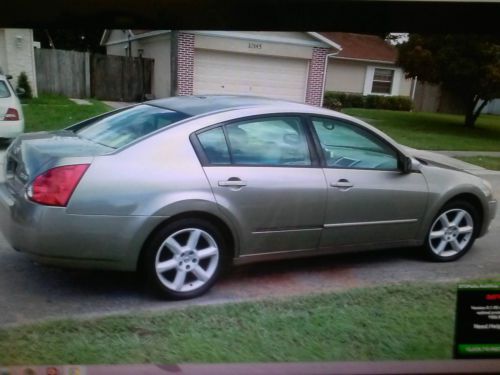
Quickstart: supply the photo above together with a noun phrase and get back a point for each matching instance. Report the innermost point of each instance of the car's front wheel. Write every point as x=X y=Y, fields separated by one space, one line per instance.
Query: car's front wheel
x=452 y=232
x=184 y=258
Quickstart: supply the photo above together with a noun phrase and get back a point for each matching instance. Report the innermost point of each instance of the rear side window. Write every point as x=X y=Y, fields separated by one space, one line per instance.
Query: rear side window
x=4 y=90
x=279 y=141
x=215 y=146
x=124 y=127
x=263 y=141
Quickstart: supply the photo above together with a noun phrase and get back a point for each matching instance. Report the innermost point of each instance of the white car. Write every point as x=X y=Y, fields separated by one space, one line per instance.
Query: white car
x=11 y=112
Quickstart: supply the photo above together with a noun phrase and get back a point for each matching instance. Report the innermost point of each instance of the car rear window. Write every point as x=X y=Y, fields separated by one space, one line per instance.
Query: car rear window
x=4 y=90
x=122 y=128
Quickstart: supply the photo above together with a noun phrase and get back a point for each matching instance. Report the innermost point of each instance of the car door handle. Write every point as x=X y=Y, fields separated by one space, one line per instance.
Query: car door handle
x=233 y=183
x=342 y=184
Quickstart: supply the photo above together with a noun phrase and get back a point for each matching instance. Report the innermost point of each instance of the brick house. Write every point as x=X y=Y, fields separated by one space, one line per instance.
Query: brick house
x=287 y=65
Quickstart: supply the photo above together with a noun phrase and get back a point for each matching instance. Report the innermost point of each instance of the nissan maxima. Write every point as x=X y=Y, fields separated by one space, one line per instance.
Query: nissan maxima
x=183 y=187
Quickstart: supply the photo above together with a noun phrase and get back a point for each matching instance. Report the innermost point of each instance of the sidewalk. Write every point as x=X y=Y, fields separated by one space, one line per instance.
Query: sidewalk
x=446 y=157
x=116 y=105
x=470 y=153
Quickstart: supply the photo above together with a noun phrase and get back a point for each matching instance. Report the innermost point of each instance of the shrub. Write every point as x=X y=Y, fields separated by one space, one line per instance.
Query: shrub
x=23 y=83
x=356 y=100
x=331 y=100
x=397 y=103
x=346 y=100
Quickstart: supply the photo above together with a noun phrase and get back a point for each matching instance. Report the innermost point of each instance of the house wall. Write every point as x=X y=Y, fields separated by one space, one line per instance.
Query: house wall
x=155 y=47
x=315 y=81
x=3 y=53
x=345 y=76
x=17 y=54
x=243 y=46
x=185 y=63
x=296 y=45
x=405 y=86
x=492 y=108
x=350 y=76
x=158 y=48
x=295 y=35
x=117 y=35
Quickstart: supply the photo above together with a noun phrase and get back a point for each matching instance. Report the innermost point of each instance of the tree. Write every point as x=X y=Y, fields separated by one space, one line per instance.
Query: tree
x=70 y=39
x=23 y=83
x=467 y=65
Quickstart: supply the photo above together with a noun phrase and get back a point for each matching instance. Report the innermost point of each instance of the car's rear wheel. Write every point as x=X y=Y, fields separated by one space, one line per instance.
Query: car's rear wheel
x=184 y=258
x=452 y=232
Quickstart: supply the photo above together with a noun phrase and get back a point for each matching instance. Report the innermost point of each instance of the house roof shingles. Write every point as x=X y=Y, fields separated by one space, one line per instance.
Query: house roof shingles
x=363 y=47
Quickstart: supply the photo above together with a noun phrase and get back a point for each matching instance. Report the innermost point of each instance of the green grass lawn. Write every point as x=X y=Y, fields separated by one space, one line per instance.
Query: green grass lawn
x=434 y=131
x=51 y=112
x=398 y=322
x=488 y=162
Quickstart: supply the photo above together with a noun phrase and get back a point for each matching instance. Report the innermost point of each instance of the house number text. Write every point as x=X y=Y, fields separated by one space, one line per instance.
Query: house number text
x=252 y=45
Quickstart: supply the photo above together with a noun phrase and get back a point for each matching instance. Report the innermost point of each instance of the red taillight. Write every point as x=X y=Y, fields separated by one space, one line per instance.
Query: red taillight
x=55 y=186
x=11 y=115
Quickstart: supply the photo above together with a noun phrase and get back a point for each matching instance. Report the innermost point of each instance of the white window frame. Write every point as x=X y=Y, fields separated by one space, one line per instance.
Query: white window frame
x=370 y=73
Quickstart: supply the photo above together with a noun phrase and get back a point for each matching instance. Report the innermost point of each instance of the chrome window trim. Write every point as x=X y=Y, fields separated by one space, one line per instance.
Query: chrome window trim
x=382 y=222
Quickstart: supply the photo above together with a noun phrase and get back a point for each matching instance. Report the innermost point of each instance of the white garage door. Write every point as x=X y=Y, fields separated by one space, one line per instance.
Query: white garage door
x=218 y=72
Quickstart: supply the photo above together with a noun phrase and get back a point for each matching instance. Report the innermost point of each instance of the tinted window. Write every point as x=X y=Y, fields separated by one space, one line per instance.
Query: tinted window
x=125 y=127
x=215 y=146
x=349 y=146
x=4 y=90
x=268 y=141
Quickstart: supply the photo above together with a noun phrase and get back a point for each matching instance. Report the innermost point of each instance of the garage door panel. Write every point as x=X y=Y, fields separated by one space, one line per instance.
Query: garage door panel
x=218 y=72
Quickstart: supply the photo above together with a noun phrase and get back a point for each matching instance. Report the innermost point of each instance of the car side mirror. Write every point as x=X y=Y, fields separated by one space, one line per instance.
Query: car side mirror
x=20 y=91
x=406 y=164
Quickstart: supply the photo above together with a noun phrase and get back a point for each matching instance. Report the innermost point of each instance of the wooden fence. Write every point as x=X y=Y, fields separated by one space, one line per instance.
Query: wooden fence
x=84 y=75
x=121 y=78
x=62 y=72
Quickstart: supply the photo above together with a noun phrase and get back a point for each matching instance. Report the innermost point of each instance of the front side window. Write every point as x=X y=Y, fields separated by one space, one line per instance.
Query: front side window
x=4 y=90
x=124 y=127
x=382 y=81
x=268 y=141
x=349 y=146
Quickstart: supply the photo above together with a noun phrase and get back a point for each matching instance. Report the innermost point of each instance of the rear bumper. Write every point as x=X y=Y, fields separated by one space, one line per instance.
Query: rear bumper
x=51 y=236
x=11 y=129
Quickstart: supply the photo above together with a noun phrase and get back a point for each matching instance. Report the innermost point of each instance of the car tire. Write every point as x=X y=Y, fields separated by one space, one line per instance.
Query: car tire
x=452 y=232
x=184 y=259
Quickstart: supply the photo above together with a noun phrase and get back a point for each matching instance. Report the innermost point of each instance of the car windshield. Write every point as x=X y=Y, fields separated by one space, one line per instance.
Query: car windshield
x=124 y=127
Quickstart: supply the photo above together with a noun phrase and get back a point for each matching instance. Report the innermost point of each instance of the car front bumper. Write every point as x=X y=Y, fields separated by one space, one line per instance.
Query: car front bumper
x=51 y=236
x=492 y=210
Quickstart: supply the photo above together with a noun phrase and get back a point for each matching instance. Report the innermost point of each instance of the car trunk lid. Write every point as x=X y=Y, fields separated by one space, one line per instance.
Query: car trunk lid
x=32 y=153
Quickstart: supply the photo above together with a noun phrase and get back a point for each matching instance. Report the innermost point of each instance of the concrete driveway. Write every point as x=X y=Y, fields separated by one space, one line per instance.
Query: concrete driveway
x=31 y=292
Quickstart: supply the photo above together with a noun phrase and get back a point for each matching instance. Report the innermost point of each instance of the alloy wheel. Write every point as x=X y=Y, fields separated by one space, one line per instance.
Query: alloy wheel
x=451 y=232
x=187 y=260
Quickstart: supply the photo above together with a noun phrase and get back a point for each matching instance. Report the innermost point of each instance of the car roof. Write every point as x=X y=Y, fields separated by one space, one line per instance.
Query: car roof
x=201 y=104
